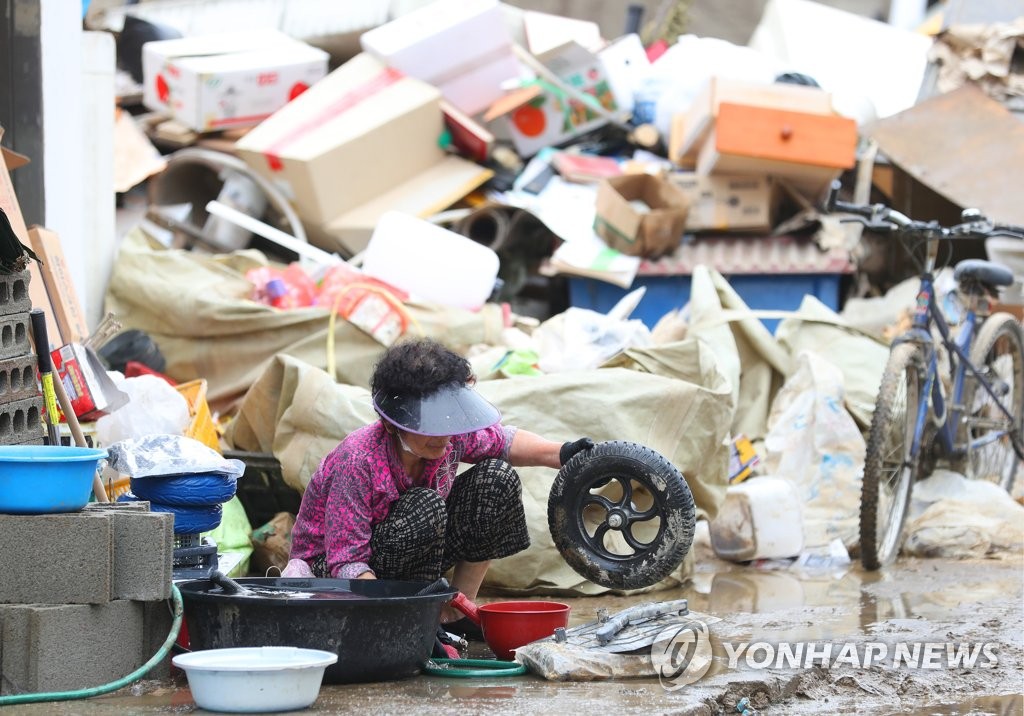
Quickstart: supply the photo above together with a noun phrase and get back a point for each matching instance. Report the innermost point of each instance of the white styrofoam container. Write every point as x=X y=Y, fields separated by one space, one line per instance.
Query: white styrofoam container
x=462 y=47
x=761 y=518
x=230 y=80
x=258 y=679
x=430 y=262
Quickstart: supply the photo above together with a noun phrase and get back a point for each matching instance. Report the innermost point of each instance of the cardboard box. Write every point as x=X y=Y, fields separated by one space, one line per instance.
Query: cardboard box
x=91 y=391
x=690 y=129
x=9 y=161
x=727 y=202
x=59 y=287
x=550 y=117
x=462 y=47
x=216 y=82
x=809 y=150
x=361 y=131
x=426 y=194
x=628 y=228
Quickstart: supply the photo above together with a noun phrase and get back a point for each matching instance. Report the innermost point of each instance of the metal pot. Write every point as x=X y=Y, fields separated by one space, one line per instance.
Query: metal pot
x=380 y=629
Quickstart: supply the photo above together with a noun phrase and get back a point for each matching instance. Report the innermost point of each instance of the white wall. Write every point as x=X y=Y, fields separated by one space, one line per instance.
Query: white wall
x=78 y=117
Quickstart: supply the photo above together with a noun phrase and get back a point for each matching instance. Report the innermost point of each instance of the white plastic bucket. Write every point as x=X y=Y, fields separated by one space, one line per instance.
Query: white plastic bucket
x=430 y=262
x=761 y=518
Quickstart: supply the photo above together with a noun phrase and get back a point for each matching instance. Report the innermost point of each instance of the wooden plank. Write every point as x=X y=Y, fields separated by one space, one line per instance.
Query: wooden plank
x=964 y=146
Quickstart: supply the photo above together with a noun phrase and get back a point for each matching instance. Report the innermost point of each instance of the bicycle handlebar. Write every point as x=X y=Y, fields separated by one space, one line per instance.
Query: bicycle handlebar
x=881 y=218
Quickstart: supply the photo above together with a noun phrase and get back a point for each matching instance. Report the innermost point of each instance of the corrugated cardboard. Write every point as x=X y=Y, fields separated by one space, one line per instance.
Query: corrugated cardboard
x=462 y=47
x=361 y=131
x=216 y=82
x=57 y=277
x=726 y=202
x=429 y=192
x=690 y=129
x=9 y=203
x=648 y=234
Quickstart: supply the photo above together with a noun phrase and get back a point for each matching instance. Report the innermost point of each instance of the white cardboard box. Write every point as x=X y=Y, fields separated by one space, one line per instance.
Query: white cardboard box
x=462 y=47
x=216 y=82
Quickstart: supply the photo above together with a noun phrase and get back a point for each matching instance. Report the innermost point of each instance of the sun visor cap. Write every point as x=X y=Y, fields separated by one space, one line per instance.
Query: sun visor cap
x=451 y=410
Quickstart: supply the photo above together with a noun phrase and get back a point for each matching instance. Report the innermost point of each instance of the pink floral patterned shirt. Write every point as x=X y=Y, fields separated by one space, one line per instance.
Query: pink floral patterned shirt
x=355 y=484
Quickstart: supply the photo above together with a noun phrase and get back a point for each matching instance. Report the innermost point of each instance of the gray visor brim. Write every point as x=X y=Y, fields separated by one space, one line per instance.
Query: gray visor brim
x=451 y=410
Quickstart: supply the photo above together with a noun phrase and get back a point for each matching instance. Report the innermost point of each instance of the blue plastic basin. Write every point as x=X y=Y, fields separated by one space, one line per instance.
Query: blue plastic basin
x=40 y=479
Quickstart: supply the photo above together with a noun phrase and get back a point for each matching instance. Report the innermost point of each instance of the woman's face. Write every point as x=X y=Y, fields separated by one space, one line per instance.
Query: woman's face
x=428 y=447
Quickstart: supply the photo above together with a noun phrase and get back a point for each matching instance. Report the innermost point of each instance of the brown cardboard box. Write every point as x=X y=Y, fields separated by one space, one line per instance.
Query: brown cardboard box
x=60 y=289
x=728 y=202
x=359 y=132
x=427 y=193
x=9 y=203
x=807 y=149
x=627 y=228
x=689 y=129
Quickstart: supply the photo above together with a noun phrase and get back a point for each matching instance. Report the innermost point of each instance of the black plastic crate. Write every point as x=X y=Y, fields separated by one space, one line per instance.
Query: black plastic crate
x=262 y=489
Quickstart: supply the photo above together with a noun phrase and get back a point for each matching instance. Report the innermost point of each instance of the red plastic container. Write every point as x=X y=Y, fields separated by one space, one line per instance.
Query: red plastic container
x=510 y=625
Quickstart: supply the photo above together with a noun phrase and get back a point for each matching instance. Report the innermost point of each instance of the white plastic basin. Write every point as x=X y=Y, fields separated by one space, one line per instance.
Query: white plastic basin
x=255 y=679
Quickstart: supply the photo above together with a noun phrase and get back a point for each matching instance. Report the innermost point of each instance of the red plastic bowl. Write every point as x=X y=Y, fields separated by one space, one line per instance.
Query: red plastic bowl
x=510 y=625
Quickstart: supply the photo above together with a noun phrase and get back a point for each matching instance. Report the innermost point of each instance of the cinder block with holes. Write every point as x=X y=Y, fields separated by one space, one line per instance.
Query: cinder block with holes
x=14 y=335
x=18 y=379
x=21 y=422
x=14 y=296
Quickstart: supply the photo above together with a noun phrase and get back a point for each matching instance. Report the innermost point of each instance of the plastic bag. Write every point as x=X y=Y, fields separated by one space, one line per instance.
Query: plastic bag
x=814 y=442
x=160 y=455
x=154 y=407
x=581 y=339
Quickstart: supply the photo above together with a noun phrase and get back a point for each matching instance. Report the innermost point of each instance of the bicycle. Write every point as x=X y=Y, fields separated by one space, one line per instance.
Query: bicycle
x=975 y=418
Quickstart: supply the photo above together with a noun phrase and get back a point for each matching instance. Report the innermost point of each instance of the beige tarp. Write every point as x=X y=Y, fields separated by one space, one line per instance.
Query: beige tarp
x=671 y=399
x=196 y=309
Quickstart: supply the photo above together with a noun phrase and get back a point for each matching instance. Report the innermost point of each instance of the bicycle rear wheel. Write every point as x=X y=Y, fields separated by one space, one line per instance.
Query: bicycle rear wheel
x=998 y=354
x=890 y=468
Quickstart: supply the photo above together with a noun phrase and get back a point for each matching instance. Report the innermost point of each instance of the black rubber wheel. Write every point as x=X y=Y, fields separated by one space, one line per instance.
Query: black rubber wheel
x=621 y=515
x=998 y=353
x=889 y=467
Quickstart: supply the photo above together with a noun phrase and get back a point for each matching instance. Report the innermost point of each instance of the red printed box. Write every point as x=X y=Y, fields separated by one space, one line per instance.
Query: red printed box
x=91 y=391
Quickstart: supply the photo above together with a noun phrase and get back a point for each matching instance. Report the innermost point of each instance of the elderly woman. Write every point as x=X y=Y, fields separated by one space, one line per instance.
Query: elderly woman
x=388 y=503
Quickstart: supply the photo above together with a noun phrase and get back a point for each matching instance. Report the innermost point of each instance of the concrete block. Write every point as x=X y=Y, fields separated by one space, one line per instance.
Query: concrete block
x=14 y=296
x=71 y=646
x=143 y=549
x=21 y=421
x=18 y=378
x=14 y=335
x=56 y=559
x=156 y=625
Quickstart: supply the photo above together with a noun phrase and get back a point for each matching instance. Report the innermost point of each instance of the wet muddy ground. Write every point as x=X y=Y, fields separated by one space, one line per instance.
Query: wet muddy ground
x=939 y=605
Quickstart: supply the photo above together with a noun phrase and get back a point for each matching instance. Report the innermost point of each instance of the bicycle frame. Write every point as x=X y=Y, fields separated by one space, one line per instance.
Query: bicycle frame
x=947 y=414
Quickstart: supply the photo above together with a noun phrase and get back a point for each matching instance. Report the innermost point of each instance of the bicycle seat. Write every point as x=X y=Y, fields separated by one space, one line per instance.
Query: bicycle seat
x=983 y=272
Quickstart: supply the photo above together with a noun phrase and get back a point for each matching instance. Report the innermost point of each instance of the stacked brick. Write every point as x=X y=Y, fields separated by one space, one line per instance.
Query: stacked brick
x=83 y=596
x=21 y=405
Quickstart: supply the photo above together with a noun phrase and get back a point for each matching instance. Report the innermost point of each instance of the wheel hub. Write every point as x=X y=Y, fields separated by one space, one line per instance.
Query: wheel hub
x=616 y=520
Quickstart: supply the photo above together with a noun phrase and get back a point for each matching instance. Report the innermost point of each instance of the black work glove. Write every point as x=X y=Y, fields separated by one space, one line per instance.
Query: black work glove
x=573 y=447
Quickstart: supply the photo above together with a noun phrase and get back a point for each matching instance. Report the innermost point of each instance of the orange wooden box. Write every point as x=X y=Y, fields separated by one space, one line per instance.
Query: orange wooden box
x=809 y=149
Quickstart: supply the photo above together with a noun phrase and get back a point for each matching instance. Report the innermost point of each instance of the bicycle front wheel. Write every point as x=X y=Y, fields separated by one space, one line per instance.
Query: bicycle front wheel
x=998 y=354
x=890 y=464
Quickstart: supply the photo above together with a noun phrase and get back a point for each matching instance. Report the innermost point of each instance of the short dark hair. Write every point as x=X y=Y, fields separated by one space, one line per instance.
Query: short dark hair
x=417 y=367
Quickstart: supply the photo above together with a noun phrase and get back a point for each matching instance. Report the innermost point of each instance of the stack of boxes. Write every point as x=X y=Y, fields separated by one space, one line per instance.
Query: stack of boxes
x=20 y=402
x=83 y=596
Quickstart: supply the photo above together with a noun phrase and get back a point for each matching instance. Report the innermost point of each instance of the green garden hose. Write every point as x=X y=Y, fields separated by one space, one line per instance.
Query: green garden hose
x=162 y=652
x=483 y=667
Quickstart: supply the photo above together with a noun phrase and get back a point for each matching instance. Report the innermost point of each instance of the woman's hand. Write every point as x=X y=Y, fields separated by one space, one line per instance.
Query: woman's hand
x=367 y=575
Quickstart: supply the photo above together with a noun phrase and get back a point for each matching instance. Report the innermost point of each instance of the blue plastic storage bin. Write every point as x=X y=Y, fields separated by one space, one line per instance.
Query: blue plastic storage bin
x=778 y=292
